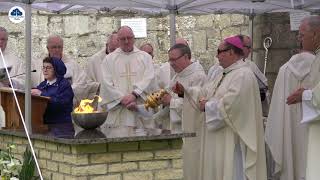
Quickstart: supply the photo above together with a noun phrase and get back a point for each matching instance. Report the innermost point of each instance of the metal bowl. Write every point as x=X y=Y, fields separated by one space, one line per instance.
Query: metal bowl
x=89 y=120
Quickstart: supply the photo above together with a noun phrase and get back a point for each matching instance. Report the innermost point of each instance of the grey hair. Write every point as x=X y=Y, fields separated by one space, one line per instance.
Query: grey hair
x=2 y=29
x=146 y=44
x=313 y=22
x=54 y=36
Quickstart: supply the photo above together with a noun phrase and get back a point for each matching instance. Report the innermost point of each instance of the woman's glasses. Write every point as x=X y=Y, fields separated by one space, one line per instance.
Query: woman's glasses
x=47 y=68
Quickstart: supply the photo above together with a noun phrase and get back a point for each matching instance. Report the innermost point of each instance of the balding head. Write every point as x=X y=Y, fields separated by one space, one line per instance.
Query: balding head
x=182 y=41
x=309 y=33
x=3 y=38
x=126 y=38
x=113 y=42
x=147 y=47
x=312 y=22
x=55 y=46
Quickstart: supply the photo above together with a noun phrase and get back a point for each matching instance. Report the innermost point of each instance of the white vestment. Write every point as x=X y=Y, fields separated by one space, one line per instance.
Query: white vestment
x=285 y=136
x=232 y=144
x=163 y=75
x=93 y=68
x=191 y=76
x=125 y=72
x=311 y=115
x=18 y=68
x=263 y=85
x=183 y=115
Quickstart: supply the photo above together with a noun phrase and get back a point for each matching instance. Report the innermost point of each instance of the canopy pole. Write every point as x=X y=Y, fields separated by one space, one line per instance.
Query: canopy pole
x=27 y=105
x=251 y=25
x=172 y=10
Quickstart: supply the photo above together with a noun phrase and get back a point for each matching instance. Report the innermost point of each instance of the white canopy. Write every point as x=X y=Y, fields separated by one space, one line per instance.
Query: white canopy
x=167 y=6
x=152 y=7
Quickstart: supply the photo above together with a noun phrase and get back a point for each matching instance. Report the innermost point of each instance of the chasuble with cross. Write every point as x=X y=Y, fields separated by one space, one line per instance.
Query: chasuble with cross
x=124 y=73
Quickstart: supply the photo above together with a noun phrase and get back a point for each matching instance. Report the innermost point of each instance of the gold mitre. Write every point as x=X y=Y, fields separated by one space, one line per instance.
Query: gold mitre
x=153 y=99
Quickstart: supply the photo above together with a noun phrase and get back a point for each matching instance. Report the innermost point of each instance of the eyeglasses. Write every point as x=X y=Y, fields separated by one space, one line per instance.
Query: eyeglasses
x=249 y=47
x=175 y=59
x=129 y=38
x=222 y=50
x=47 y=68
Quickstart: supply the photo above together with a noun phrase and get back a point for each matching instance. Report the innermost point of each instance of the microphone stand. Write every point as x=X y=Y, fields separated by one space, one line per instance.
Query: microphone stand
x=19 y=74
x=21 y=116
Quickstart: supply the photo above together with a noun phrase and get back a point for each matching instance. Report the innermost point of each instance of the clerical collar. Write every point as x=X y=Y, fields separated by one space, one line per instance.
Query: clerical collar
x=52 y=81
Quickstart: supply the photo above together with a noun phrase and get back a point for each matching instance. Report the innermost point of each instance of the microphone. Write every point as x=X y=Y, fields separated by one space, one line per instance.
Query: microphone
x=21 y=74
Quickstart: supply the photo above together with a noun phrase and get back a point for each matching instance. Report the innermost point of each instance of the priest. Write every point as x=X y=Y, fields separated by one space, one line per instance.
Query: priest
x=183 y=113
x=127 y=75
x=15 y=66
x=309 y=96
x=232 y=142
x=285 y=135
x=93 y=68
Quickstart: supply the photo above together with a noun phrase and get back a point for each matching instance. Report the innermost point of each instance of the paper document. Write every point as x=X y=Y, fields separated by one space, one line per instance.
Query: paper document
x=3 y=73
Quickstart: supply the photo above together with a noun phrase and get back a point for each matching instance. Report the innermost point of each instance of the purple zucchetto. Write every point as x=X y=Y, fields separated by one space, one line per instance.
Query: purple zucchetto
x=235 y=41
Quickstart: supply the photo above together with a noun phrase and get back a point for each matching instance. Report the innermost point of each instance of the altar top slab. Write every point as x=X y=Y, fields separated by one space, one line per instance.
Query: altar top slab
x=124 y=134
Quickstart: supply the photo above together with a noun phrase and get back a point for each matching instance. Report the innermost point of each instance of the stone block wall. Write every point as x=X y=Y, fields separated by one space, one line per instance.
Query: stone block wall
x=137 y=160
x=85 y=34
x=284 y=42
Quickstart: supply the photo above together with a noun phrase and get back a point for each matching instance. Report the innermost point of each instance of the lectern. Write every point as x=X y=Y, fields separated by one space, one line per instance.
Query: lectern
x=13 y=120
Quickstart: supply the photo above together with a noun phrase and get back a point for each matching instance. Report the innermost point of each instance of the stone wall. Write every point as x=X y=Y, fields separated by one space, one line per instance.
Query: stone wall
x=137 y=160
x=284 y=42
x=84 y=34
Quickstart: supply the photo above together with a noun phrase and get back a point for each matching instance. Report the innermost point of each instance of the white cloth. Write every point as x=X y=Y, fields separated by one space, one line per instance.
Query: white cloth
x=233 y=145
x=191 y=76
x=164 y=74
x=183 y=114
x=285 y=136
x=311 y=112
x=124 y=73
x=263 y=85
x=256 y=71
x=214 y=71
x=17 y=68
x=93 y=69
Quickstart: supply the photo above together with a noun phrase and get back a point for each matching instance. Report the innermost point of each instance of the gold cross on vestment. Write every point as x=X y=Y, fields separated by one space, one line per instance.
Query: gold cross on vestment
x=128 y=75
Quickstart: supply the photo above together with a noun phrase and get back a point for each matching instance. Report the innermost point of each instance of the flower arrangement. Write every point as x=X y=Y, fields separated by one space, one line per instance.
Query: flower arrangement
x=12 y=168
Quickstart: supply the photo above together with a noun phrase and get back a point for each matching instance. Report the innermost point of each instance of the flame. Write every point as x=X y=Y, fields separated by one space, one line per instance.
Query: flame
x=86 y=105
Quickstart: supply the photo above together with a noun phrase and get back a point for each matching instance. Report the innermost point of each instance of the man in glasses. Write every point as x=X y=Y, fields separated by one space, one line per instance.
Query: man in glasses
x=93 y=68
x=233 y=131
x=127 y=75
x=287 y=125
x=181 y=112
